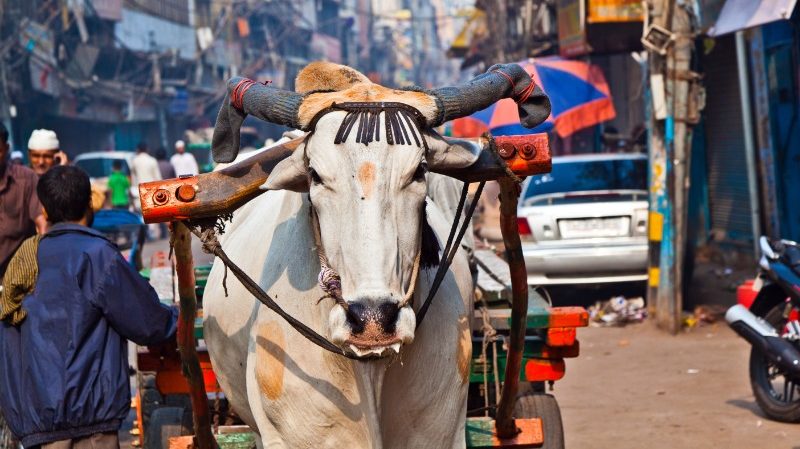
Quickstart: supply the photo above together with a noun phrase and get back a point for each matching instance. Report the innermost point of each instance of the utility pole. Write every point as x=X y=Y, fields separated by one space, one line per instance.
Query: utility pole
x=161 y=114
x=496 y=19
x=670 y=154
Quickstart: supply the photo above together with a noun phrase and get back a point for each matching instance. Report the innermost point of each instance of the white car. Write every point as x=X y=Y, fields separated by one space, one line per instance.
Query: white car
x=586 y=221
x=98 y=166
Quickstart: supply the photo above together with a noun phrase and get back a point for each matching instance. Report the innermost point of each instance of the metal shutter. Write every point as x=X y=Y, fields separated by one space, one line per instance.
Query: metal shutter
x=729 y=200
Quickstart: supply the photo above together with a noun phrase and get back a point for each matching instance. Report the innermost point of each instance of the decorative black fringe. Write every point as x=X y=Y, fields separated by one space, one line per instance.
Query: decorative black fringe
x=401 y=124
x=429 y=257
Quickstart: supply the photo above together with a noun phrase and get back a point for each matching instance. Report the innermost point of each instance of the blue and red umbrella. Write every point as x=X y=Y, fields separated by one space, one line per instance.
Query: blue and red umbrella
x=578 y=93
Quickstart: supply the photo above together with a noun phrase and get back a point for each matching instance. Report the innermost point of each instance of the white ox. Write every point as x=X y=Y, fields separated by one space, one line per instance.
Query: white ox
x=371 y=204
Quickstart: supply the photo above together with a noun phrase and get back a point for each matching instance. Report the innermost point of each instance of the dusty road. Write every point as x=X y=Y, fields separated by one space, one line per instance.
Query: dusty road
x=633 y=387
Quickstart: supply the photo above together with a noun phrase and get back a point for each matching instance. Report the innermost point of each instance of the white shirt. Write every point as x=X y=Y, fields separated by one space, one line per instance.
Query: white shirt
x=145 y=169
x=184 y=164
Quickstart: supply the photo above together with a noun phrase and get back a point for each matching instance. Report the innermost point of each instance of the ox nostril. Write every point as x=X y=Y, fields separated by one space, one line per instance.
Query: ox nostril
x=387 y=316
x=356 y=316
x=383 y=317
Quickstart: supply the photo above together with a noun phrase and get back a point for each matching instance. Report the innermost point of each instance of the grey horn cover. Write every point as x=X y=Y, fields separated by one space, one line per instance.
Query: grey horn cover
x=267 y=103
x=500 y=81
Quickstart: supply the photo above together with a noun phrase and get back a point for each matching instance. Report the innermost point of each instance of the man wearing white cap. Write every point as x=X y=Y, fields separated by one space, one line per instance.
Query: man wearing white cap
x=16 y=157
x=43 y=151
x=184 y=163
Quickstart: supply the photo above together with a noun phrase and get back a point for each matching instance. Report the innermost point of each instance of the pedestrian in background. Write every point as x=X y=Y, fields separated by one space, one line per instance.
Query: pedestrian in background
x=183 y=162
x=20 y=210
x=118 y=186
x=144 y=167
x=20 y=218
x=64 y=379
x=16 y=157
x=44 y=151
x=164 y=166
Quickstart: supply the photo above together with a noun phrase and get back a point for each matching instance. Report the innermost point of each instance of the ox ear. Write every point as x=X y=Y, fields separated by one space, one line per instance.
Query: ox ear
x=289 y=174
x=450 y=154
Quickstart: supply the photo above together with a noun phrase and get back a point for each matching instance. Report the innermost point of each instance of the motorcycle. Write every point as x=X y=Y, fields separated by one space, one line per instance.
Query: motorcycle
x=772 y=326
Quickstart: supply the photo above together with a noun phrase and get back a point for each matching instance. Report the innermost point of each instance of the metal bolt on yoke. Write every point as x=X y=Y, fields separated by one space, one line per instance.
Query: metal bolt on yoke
x=185 y=193
x=161 y=197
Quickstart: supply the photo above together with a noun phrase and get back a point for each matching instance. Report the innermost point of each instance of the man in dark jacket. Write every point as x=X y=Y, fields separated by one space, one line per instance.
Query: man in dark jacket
x=64 y=368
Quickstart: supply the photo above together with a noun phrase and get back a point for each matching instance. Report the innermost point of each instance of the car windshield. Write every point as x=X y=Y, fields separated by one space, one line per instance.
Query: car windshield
x=100 y=167
x=587 y=176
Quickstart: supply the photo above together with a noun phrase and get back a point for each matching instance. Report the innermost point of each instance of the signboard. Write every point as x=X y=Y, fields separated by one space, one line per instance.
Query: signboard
x=572 y=28
x=142 y=32
x=604 y=11
x=742 y=14
x=44 y=78
x=37 y=39
x=180 y=103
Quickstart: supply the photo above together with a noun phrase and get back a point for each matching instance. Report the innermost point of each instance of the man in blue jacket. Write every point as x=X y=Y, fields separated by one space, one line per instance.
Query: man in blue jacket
x=63 y=365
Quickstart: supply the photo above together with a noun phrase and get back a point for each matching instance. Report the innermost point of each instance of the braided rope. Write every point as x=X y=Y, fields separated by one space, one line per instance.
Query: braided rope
x=500 y=161
x=328 y=279
x=208 y=237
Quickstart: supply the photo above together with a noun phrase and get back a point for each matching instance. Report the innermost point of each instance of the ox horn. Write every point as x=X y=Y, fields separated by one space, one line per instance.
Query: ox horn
x=500 y=81
x=245 y=97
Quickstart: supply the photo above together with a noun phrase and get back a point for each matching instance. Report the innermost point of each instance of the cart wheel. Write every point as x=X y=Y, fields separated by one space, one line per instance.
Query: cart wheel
x=544 y=406
x=165 y=423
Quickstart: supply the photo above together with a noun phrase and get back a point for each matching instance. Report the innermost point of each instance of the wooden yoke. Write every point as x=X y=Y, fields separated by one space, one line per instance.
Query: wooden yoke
x=211 y=194
x=222 y=192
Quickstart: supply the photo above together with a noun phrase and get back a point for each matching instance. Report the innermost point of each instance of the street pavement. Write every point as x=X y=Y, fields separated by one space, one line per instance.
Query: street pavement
x=638 y=387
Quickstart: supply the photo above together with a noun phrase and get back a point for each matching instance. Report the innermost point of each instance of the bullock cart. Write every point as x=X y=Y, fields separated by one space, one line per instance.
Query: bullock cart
x=355 y=193
x=163 y=407
x=161 y=401
x=550 y=337
x=515 y=331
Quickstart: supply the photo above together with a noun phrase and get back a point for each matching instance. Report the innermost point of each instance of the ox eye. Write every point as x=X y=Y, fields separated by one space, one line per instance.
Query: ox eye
x=314 y=176
x=419 y=173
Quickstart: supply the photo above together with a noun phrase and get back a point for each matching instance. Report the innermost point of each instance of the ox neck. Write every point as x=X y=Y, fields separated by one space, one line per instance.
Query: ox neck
x=370 y=377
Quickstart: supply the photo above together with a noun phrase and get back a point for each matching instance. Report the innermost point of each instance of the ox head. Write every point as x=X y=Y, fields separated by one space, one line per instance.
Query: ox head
x=363 y=165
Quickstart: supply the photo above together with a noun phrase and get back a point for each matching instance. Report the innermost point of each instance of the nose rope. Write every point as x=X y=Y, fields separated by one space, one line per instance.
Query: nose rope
x=412 y=286
x=329 y=280
x=331 y=283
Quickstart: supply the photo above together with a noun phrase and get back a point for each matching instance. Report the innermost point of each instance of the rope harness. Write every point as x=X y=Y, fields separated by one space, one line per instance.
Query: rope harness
x=400 y=120
x=329 y=280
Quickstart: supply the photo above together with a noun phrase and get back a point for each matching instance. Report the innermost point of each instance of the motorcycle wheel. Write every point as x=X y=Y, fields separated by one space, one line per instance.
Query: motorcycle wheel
x=776 y=394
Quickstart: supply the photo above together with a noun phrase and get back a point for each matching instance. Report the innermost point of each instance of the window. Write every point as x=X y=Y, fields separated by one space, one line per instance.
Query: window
x=100 y=167
x=590 y=175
